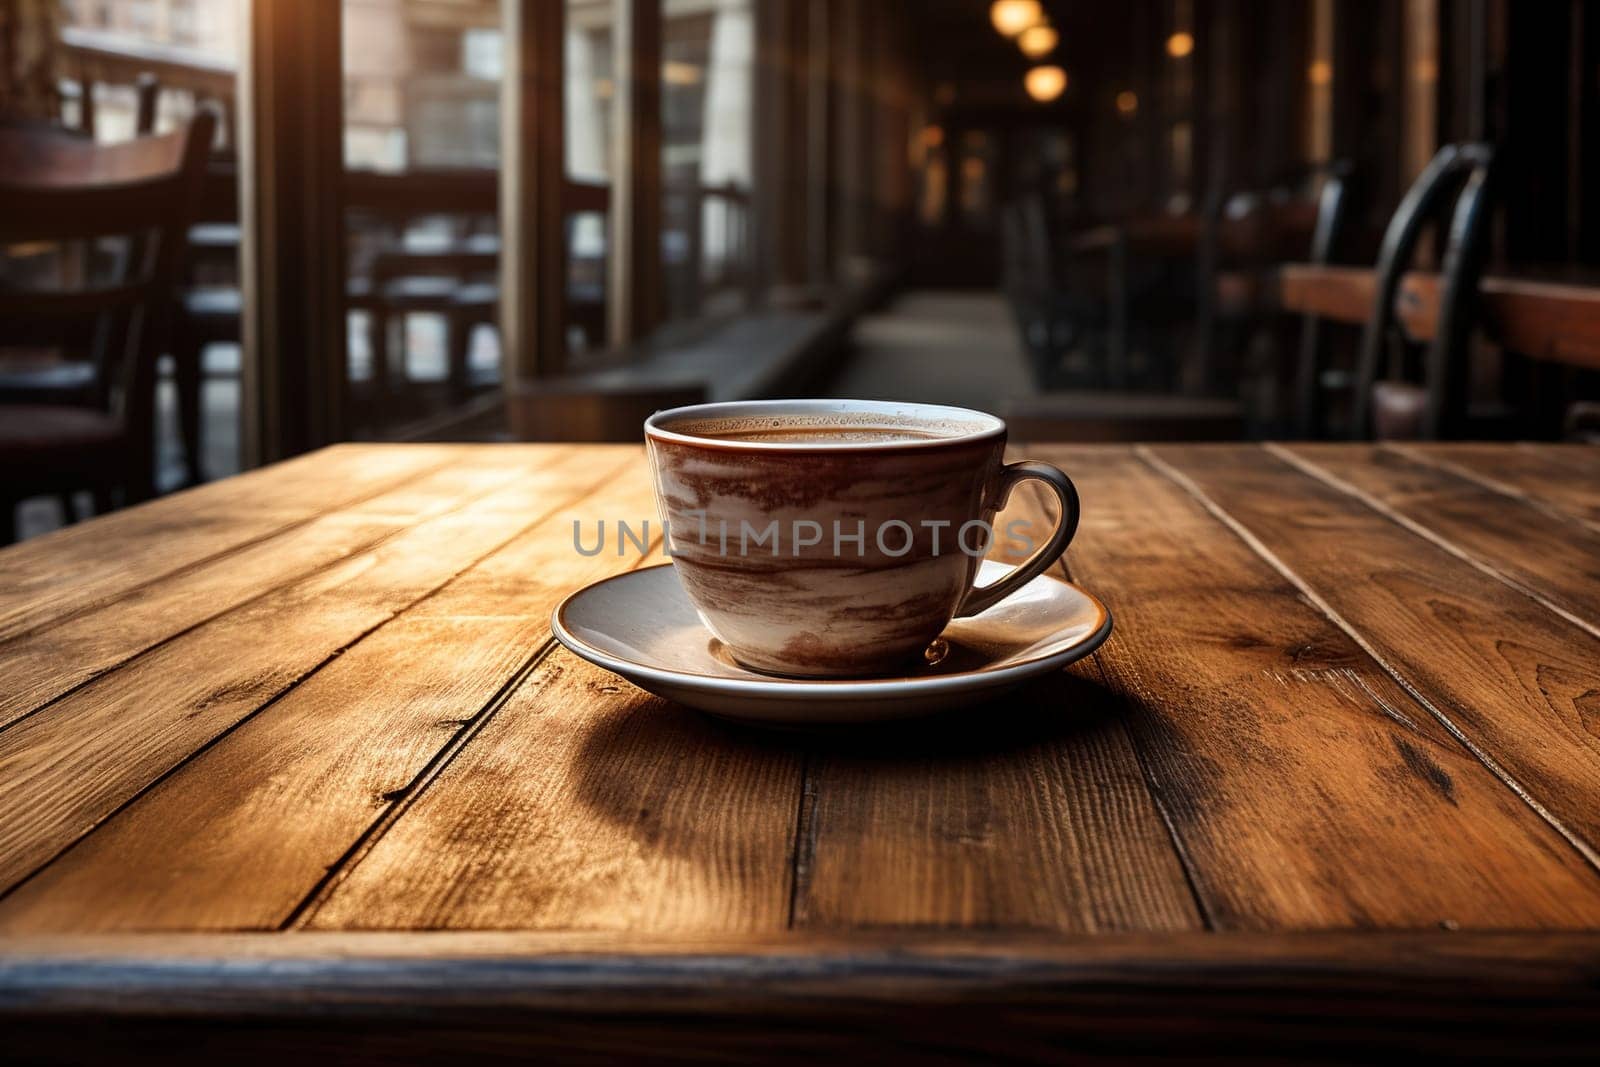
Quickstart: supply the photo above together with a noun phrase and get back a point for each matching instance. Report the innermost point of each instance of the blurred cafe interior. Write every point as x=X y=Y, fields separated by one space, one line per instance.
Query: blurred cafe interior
x=238 y=230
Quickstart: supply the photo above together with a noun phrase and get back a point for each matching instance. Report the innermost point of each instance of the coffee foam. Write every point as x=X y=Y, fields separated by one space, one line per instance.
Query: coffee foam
x=843 y=427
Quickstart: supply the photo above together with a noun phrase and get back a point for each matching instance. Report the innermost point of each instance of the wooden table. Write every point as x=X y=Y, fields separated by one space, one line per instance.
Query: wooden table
x=1545 y=315
x=1168 y=235
x=294 y=754
x=1156 y=237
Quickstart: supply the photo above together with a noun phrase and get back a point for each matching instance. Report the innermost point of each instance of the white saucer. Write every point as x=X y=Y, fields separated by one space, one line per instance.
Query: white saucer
x=642 y=626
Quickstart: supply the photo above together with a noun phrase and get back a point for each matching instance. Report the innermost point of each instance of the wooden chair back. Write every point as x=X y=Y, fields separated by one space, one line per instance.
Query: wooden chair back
x=60 y=189
x=146 y=96
x=1463 y=171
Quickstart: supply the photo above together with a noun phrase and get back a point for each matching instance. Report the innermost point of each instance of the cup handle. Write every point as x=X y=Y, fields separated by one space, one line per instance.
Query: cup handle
x=982 y=598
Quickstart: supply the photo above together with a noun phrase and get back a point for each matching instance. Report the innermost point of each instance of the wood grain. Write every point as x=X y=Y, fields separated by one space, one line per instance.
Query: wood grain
x=1314 y=715
x=282 y=798
x=586 y=804
x=582 y=802
x=1031 y=813
x=67 y=767
x=1340 y=294
x=1306 y=788
x=286 y=796
x=1515 y=681
x=1541 y=318
x=1563 y=480
x=1550 y=558
x=581 y=997
x=78 y=567
x=43 y=664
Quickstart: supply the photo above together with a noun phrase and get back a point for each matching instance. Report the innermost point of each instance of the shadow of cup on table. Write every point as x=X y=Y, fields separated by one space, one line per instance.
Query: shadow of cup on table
x=637 y=761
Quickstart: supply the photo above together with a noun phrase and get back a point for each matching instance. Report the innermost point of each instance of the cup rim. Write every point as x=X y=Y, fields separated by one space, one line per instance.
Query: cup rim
x=990 y=426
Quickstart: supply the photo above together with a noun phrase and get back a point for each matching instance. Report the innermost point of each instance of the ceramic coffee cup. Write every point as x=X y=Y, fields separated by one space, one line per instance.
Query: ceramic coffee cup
x=837 y=538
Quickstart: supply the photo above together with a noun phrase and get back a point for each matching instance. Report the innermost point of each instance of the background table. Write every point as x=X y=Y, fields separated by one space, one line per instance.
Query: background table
x=294 y=753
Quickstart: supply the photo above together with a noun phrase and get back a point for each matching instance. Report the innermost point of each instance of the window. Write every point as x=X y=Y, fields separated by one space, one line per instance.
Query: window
x=422 y=152
x=707 y=97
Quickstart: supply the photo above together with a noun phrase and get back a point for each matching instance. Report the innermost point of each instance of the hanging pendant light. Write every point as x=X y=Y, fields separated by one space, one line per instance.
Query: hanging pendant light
x=1039 y=41
x=1045 y=83
x=1011 y=17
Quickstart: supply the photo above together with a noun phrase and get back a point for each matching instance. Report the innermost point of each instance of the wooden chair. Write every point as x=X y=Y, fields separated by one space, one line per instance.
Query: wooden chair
x=80 y=92
x=58 y=190
x=455 y=282
x=460 y=285
x=72 y=372
x=203 y=314
x=206 y=312
x=1388 y=405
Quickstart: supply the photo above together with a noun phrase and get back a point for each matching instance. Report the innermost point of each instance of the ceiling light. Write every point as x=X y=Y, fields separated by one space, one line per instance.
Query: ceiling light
x=1011 y=17
x=1037 y=42
x=1044 y=84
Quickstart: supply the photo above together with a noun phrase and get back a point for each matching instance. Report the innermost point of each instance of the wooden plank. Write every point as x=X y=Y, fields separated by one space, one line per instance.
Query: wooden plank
x=1544 y=318
x=1512 y=680
x=1306 y=788
x=532 y=574
x=44 y=664
x=609 y=998
x=344 y=747
x=587 y=804
x=1031 y=815
x=1561 y=479
x=1551 y=560
x=1339 y=294
x=584 y=803
x=1416 y=305
x=281 y=800
x=1348 y=294
x=68 y=767
x=1034 y=814
x=69 y=571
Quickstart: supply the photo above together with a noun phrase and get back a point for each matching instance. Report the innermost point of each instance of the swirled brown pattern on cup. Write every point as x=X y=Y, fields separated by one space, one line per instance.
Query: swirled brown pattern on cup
x=824 y=608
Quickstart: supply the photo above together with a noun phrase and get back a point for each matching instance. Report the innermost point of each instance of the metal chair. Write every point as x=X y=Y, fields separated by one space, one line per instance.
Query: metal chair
x=1333 y=205
x=1244 y=239
x=1388 y=405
